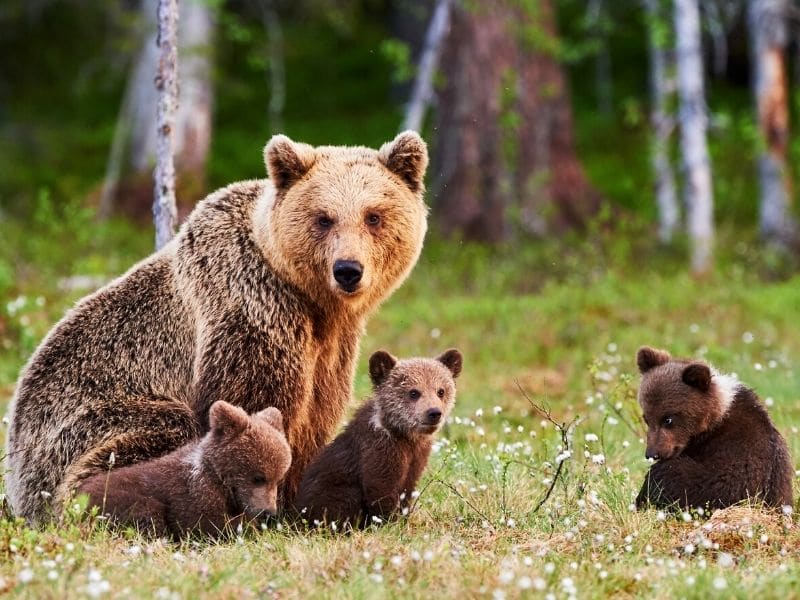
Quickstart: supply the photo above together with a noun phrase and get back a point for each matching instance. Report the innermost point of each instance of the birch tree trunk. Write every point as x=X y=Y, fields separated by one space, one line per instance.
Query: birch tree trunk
x=422 y=92
x=661 y=86
x=193 y=117
x=164 y=206
x=277 y=70
x=767 y=23
x=128 y=183
x=694 y=148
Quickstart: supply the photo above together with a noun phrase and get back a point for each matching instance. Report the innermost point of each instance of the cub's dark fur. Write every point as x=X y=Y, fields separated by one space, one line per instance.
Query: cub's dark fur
x=370 y=470
x=230 y=475
x=713 y=440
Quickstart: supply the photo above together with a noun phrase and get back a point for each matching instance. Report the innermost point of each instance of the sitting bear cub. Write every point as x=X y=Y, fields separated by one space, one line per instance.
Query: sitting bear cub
x=228 y=476
x=367 y=474
x=713 y=440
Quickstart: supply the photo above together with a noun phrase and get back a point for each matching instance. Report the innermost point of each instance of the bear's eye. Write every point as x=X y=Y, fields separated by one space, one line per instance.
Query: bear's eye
x=259 y=480
x=324 y=222
x=440 y=392
x=414 y=394
x=667 y=421
x=373 y=219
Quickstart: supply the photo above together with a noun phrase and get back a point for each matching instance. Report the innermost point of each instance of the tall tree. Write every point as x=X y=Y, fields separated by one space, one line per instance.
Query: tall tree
x=134 y=147
x=504 y=143
x=661 y=87
x=767 y=23
x=694 y=147
x=422 y=92
x=164 y=205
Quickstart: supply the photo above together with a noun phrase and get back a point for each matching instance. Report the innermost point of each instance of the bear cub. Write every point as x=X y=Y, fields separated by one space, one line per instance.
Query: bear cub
x=229 y=476
x=368 y=473
x=712 y=438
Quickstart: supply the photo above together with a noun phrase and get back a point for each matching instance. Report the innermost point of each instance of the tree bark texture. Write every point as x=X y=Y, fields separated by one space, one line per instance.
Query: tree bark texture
x=164 y=205
x=505 y=148
x=277 y=66
x=661 y=87
x=128 y=182
x=767 y=23
x=694 y=148
x=422 y=92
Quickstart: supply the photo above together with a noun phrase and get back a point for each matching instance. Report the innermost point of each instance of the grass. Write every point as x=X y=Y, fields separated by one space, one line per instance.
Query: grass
x=555 y=323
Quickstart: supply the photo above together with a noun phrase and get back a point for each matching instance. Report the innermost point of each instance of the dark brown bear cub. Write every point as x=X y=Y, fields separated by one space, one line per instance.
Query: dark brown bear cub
x=229 y=476
x=368 y=473
x=713 y=440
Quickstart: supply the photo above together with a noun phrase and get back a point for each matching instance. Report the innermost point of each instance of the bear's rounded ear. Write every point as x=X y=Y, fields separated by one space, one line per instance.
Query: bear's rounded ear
x=272 y=416
x=380 y=363
x=407 y=157
x=287 y=161
x=453 y=360
x=698 y=376
x=647 y=358
x=227 y=419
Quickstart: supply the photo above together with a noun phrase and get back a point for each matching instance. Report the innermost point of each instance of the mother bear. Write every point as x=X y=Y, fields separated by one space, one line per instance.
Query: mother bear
x=260 y=300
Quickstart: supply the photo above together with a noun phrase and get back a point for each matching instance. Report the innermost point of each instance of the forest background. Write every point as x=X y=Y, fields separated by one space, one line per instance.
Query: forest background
x=604 y=175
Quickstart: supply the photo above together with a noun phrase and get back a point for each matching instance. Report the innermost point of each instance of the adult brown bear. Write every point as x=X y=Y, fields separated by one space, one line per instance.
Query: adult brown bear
x=260 y=300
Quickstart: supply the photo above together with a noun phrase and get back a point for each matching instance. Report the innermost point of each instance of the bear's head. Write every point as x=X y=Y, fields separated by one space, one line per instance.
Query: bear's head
x=249 y=454
x=345 y=224
x=680 y=399
x=415 y=395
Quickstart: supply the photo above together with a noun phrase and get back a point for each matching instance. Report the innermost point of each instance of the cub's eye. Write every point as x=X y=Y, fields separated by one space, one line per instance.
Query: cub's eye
x=373 y=219
x=440 y=392
x=667 y=422
x=259 y=480
x=324 y=221
x=414 y=394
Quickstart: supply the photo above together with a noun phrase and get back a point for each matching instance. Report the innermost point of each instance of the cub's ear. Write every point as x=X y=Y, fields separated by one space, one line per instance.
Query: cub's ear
x=380 y=363
x=453 y=360
x=698 y=376
x=272 y=416
x=647 y=358
x=227 y=419
x=407 y=157
x=287 y=161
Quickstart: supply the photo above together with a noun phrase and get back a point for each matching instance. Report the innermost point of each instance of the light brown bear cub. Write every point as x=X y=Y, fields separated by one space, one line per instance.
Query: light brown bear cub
x=713 y=440
x=229 y=476
x=368 y=473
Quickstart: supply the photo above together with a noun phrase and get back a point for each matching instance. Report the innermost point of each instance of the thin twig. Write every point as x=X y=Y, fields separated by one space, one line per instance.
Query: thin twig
x=563 y=428
x=464 y=499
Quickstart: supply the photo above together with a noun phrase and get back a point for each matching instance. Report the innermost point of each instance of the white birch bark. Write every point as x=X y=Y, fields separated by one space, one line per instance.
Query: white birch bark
x=164 y=206
x=694 y=148
x=767 y=24
x=277 y=70
x=661 y=87
x=429 y=59
x=193 y=118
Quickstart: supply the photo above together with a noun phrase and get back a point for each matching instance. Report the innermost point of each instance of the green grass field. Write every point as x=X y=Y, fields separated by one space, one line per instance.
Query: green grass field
x=556 y=325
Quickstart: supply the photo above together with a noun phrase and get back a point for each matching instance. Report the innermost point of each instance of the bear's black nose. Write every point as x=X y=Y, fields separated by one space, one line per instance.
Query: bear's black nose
x=347 y=274
x=433 y=416
x=651 y=454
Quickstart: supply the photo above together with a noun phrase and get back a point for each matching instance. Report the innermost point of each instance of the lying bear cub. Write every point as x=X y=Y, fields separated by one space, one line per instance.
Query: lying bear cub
x=368 y=473
x=229 y=476
x=713 y=440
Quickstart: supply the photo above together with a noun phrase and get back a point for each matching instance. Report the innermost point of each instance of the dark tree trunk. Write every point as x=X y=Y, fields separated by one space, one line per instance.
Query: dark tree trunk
x=504 y=141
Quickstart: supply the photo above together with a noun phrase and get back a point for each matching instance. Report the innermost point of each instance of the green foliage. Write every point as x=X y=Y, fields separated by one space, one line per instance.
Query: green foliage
x=398 y=55
x=548 y=326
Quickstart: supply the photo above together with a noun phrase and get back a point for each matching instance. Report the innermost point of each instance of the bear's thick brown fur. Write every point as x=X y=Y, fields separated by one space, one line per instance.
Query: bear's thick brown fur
x=368 y=473
x=713 y=440
x=259 y=300
x=210 y=485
